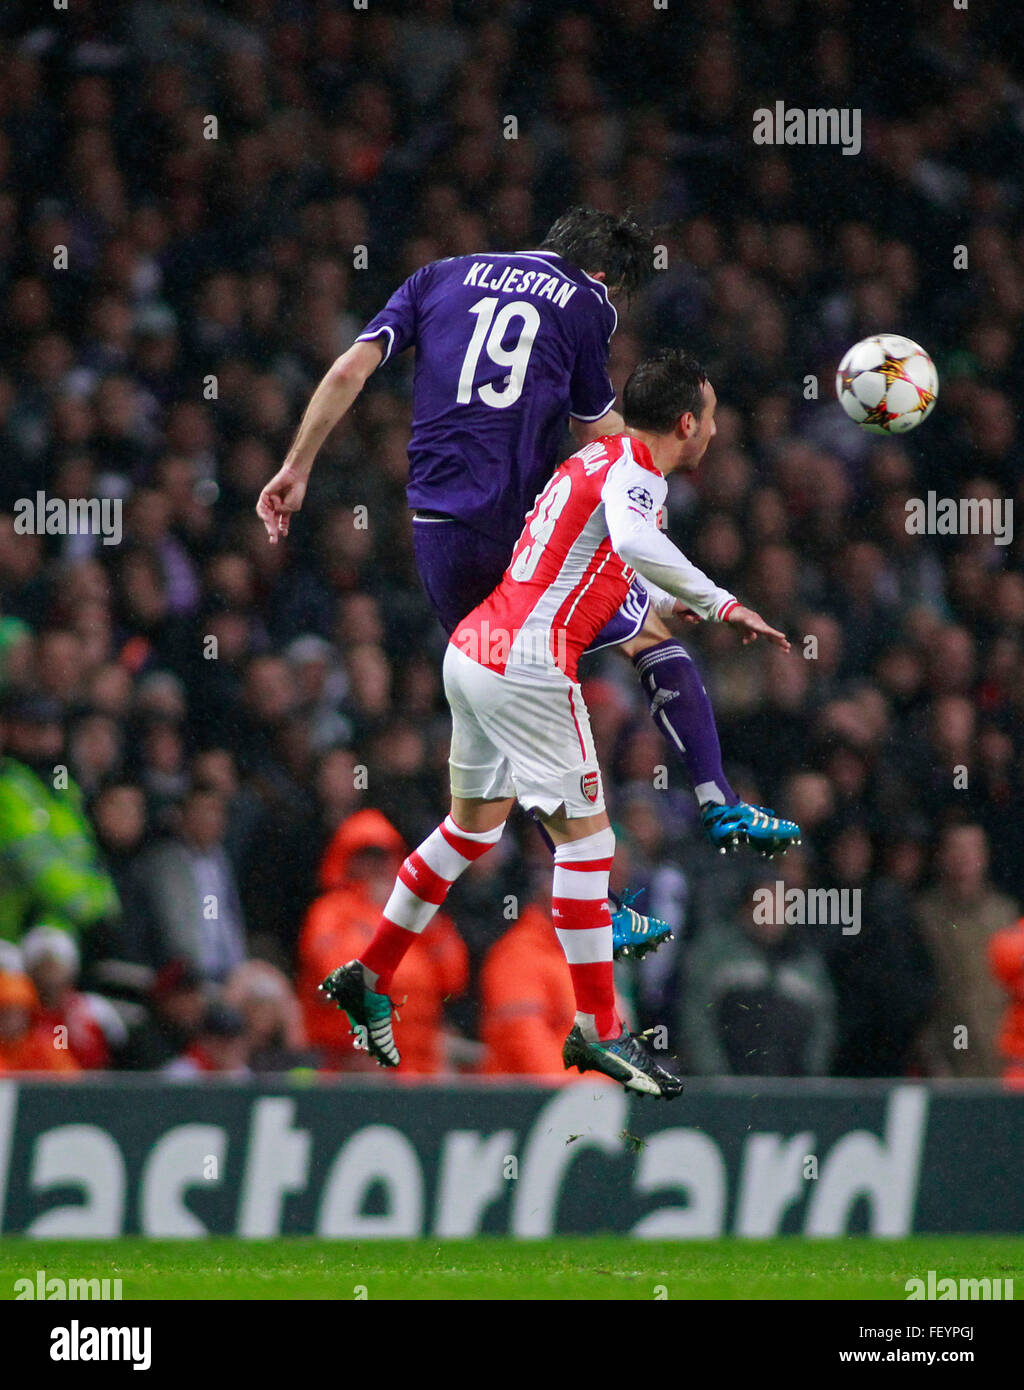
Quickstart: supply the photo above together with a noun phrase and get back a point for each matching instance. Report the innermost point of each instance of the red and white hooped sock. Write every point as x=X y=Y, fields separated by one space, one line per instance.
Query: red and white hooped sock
x=583 y=925
x=420 y=889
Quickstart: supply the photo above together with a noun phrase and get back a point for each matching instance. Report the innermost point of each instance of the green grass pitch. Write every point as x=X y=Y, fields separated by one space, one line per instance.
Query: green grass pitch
x=566 y=1268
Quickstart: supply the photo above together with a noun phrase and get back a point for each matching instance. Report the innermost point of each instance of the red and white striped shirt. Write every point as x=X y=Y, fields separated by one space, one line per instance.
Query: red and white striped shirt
x=591 y=529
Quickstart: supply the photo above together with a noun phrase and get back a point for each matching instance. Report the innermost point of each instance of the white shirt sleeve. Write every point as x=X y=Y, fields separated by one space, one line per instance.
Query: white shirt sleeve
x=661 y=600
x=631 y=497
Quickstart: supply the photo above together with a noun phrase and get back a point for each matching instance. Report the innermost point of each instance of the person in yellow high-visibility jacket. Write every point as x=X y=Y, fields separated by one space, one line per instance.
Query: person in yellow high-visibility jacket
x=50 y=867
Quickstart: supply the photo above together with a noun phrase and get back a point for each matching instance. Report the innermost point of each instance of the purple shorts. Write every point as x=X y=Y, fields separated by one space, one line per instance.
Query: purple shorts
x=460 y=567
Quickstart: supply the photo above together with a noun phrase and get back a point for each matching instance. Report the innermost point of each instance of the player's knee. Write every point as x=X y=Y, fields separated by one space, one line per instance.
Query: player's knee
x=473 y=815
x=654 y=629
x=597 y=844
x=604 y=843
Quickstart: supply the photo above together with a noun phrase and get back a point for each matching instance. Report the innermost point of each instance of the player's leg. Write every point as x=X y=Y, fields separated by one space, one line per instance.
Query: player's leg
x=362 y=987
x=680 y=707
x=584 y=848
x=544 y=733
x=482 y=797
x=679 y=703
x=633 y=933
x=682 y=710
x=471 y=828
x=598 y=1040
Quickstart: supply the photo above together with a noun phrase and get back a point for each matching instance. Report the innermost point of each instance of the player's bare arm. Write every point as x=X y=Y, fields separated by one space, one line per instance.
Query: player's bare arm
x=584 y=431
x=330 y=402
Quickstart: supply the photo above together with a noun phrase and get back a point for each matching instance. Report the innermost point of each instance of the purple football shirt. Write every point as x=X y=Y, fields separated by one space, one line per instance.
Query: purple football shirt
x=507 y=347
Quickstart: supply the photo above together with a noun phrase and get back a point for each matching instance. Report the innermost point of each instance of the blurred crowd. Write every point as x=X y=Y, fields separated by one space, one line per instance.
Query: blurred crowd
x=215 y=752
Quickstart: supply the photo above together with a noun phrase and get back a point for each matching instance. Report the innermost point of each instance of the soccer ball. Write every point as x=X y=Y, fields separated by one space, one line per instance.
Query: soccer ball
x=887 y=384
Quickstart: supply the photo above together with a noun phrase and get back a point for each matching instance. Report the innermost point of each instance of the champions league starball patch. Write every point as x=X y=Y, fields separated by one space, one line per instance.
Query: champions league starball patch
x=641 y=497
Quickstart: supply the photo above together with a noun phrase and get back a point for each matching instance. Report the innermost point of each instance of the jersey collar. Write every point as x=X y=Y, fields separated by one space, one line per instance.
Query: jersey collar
x=640 y=453
x=597 y=287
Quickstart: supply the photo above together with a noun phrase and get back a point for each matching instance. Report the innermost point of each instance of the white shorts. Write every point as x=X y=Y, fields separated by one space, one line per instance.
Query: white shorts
x=514 y=738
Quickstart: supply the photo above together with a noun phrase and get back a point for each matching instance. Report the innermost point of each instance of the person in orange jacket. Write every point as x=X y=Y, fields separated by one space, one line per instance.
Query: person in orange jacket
x=527 y=1004
x=1006 y=959
x=25 y=1043
x=357 y=874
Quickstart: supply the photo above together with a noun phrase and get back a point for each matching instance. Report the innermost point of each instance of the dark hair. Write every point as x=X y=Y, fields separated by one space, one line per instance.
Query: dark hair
x=661 y=388
x=617 y=246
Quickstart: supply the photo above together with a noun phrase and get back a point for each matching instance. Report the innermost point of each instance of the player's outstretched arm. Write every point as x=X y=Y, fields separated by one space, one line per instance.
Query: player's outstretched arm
x=740 y=616
x=630 y=501
x=754 y=626
x=286 y=490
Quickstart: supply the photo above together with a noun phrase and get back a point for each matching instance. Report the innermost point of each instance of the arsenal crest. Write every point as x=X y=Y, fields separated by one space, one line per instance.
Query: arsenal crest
x=588 y=785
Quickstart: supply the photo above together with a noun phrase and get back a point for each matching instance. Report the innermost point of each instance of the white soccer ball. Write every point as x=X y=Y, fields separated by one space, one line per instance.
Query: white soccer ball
x=887 y=383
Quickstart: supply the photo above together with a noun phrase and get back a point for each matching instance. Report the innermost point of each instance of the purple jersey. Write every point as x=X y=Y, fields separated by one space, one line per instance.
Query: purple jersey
x=507 y=347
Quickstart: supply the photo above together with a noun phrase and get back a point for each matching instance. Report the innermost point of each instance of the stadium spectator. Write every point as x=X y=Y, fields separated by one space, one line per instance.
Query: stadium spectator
x=27 y=1043
x=177 y=1002
x=758 y=999
x=882 y=973
x=1006 y=959
x=164 y=768
x=52 y=870
x=220 y=1046
x=526 y=1001
x=191 y=893
x=15 y=652
x=85 y=1024
x=124 y=954
x=357 y=874
x=322 y=688
x=274 y=1035
x=94 y=751
x=958 y=916
x=279 y=879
